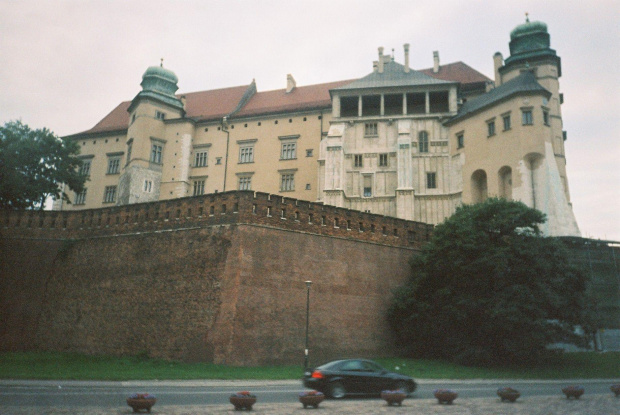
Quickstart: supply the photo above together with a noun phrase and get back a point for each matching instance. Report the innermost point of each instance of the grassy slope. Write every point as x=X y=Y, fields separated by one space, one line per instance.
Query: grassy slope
x=63 y=366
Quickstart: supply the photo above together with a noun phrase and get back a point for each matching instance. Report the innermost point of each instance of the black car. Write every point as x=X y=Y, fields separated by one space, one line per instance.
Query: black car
x=355 y=376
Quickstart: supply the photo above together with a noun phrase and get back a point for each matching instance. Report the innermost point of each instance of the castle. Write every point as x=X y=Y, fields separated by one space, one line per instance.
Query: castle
x=206 y=212
x=397 y=142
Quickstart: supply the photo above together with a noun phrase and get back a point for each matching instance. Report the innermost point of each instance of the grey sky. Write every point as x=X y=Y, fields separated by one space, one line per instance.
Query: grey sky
x=65 y=64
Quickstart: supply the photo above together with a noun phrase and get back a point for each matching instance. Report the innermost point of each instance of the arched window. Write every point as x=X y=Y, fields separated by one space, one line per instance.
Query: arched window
x=505 y=182
x=478 y=186
x=423 y=142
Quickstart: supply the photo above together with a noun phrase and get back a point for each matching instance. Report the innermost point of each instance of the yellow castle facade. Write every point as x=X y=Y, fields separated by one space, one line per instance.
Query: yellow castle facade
x=412 y=144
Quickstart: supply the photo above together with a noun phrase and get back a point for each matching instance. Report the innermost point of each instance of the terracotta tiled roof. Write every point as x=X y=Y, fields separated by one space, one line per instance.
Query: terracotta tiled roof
x=115 y=120
x=457 y=72
x=216 y=103
x=213 y=104
x=300 y=98
x=203 y=105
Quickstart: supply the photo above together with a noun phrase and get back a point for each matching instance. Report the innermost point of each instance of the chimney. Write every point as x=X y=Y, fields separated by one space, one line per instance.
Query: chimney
x=498 y=62
x=290 y=83
x=380 y=59
x=435 y=61
x=407 y=57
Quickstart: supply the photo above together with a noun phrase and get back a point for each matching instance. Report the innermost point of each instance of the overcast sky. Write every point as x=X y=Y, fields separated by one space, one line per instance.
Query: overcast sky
x=66 y=64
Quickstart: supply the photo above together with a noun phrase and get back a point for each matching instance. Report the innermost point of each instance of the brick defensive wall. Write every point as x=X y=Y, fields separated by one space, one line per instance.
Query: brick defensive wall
x=216 y=278
x=235 y=207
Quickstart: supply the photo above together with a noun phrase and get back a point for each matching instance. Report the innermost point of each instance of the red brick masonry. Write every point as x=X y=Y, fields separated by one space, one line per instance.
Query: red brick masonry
x=216 y=278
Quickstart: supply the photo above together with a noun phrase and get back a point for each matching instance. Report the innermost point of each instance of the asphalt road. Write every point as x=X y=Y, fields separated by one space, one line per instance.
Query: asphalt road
x=111 y=394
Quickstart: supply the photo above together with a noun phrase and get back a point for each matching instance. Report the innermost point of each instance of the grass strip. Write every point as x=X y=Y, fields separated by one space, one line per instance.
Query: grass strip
x=71 y=366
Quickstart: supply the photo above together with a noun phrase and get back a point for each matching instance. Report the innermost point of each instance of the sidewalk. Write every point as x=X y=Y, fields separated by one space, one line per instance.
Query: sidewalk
x=594 y=404
x=553 y=405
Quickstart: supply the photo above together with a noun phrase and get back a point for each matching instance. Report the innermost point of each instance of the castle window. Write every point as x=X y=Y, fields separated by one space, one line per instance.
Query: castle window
x=289 y=151
x=490 y=128
x=287 y=183
x=526 y=117
x=349 y=106
x=129 y=148
x=160 y=115
x=148 y=186
x=460 y=140
x=85 y=168
x=199 y=187
x=416 y=103
x=370 y=129
x=358 y=160
x=431 y=180
x=218 y=160
x=246 y=154
x=383 y=160
x=371 y=105
x=80 y=198
x=439 y=101
x=367 y=185
x=114 y=164
x=156 y=152
x=423 y=142
x=393 y=104
x=546 y=117
x=109 y=195
x=506 y=119
x=245 y=183
x=309 y=152
x=201 y=159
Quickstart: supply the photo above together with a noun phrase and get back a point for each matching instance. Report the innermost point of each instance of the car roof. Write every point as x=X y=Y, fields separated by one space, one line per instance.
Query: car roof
x=337 y=362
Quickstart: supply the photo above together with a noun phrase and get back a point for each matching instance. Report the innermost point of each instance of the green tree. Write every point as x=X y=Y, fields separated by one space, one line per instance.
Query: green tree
x=33 y=166
x=490 y=289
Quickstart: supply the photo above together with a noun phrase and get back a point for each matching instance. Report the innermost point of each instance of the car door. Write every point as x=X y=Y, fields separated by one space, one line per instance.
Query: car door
x=374 y=378
x=352 y=372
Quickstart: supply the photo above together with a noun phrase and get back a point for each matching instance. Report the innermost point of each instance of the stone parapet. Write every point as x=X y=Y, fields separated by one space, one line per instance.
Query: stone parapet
x=227 y=208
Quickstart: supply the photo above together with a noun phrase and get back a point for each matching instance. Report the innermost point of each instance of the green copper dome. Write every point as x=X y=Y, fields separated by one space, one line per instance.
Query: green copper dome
x=530 y=42
x=160 y=84
x=160 y=79
x=528 y=28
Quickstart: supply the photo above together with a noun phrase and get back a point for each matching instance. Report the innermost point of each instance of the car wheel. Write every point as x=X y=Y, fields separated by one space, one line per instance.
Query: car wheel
x=337 y=391
x=402 y=386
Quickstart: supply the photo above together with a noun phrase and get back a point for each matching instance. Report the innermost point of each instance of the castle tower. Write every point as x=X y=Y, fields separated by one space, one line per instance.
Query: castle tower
x=524 y=132
x=141 y=178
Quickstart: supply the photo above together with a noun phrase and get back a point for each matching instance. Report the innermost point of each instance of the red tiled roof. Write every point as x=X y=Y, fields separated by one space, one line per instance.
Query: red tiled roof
x=118 y=119
x=202 y=105
x=457 y=72
x=216 y=103
x=300 y=98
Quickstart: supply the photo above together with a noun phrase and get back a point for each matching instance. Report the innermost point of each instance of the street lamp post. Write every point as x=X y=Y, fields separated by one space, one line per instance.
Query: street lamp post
x=308 y=284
